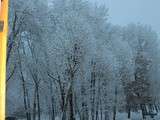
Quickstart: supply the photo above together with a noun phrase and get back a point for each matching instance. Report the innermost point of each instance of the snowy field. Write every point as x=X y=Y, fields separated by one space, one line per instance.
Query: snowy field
x=136 y=116
x=120 y=116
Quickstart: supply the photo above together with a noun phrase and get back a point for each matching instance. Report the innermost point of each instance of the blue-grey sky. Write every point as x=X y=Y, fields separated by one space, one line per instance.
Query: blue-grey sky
x=123 y=12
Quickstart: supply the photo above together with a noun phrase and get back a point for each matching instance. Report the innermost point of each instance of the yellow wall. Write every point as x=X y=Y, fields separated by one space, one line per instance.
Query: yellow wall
x=3 y=44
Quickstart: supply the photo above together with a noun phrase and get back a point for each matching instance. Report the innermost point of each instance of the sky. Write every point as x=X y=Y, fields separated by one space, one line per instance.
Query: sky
x=123 y=12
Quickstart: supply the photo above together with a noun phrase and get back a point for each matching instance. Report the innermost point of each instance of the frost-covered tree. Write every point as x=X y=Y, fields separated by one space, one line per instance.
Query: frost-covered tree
x=72 y=64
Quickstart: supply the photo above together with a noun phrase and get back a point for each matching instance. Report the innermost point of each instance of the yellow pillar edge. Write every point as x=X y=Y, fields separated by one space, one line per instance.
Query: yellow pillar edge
x=3 y=50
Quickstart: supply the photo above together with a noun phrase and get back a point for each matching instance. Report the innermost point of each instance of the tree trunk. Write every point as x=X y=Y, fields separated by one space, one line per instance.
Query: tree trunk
x=84 y=103
x=29 y=107
x=115 y=104
x=34 y=106
x=101 y=111
x=93 y=93
x=66 y=103
x=97 y=108
x=52 y=101
x=77 y=111
x=62 y=93
x=25 y=100
x=106 y=116
x=114 y=113
x=38 y=103
x=129 y=112
x=71 y=106
x=97 y=113
x=25 y=94
x=141 y=106
x=53 y=112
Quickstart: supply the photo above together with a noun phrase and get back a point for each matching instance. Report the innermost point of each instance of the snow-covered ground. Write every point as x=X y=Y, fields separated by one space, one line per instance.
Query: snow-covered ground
x=135 y=116
x=123 y=116
x=119 y=116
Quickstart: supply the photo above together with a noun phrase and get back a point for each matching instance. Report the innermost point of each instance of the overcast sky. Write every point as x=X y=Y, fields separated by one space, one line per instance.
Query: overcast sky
x=123 y=12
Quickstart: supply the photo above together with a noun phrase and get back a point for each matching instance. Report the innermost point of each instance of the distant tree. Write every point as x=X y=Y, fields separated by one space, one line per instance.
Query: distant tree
x=139 y=90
